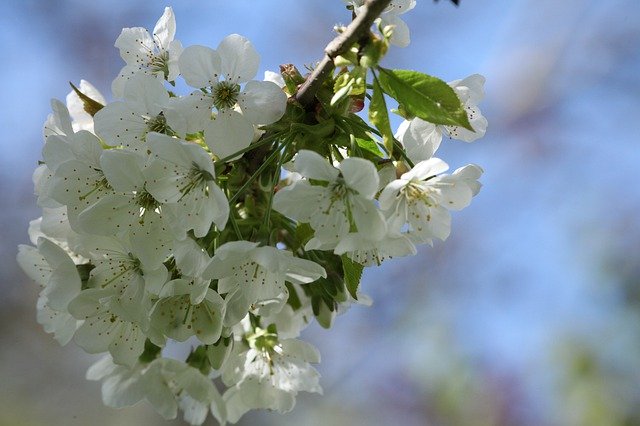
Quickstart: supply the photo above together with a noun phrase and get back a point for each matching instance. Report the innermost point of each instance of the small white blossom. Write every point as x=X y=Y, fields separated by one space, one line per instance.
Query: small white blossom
x=269 y=375
x=391 y=17
x=421 y=139
x=51 y=267
x=422 y=199
x=110 y=325
x=333 y=209
x=252 y=275
x=178 y=318
x=166 y=383
x=147 y=107
x=77 y=179
x=144 y=53
x=234 y=63
x=181 y=176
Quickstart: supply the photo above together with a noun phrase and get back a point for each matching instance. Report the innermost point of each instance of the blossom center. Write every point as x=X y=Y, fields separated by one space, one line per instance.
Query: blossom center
x=225 y=94
x=159 y=124
x=159 y=63
x=146 y=201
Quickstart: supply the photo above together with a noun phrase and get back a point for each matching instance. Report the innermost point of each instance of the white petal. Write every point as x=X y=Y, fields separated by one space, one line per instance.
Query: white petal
x=262 y=102
x=302 y=271
x=389 y=194
x=426 y=169
x=127 y=345
x=420 y=140
x=110 y=215
x=61 y=117
x=146 y=94
x=361 y=175
x=313 y=166
x=200 y=66
x=299 y=201
x=275 y=78
x=400 y=36
x=165 y=29
x=228 y=133
x=118 y=124
x=368 y=218
x=33 y=264
x=134 y=44
x=470 y=90
x=56 y=151
x=240 y=60
x=123 y=169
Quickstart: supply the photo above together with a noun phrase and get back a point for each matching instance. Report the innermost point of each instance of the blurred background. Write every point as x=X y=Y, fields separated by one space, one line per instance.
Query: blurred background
x=528 y=315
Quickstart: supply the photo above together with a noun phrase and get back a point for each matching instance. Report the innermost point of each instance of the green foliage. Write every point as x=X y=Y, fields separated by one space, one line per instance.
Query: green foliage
x=379 y=115
x=352 y=274
x=424 y=96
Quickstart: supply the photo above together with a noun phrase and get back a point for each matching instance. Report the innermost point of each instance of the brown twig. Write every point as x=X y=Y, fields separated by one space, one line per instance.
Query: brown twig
x=339 y=45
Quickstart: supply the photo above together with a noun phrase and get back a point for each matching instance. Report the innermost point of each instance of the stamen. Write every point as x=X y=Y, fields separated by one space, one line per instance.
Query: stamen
x=225 y=95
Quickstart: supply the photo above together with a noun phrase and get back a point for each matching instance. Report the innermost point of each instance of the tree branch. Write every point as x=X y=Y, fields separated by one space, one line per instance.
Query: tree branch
x=339 y=45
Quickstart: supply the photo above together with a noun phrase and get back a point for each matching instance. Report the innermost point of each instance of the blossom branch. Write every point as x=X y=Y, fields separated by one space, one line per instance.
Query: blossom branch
x=339 y=45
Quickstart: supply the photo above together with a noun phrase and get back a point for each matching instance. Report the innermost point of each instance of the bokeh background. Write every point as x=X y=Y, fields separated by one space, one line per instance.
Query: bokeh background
x=528 y=315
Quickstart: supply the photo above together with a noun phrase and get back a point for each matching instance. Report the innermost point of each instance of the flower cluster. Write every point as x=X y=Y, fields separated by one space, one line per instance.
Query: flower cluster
x=166 y=217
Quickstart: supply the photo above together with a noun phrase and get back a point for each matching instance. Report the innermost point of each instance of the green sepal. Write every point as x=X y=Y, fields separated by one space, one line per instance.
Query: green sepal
x=150 y=352
x=91 y=106
x=219 y=352
x=84 y=270
x=198 y=359
x=424 y=96
x=293 y=300
x=352 y=274
x=292 y=78
x=379 y=115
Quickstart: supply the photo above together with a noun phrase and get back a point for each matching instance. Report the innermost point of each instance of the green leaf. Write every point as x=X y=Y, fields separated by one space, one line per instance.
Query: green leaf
x=91 y=106
x=425 y=97
x=379 y=115
x=352 y=274
x=369 y=146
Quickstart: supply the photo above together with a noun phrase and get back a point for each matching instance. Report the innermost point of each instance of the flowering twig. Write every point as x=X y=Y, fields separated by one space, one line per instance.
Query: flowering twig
x=339 y=45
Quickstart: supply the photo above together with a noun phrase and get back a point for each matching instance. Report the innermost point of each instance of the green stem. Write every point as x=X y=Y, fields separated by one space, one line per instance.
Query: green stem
x=253 y=146
x=276 y=178
x=254 y=176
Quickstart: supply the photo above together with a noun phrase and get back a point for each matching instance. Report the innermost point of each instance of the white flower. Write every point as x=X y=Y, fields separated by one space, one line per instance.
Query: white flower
x=51 y=267
x=181 y=176
x=421 y=139
x=147 y=107
x=235 y=62
x=342 y=202
x=166 y=383
x=155 y=54
x=422 y=199
x=77 y=179
x=370 y=252
x=252 y=275
x=110 y=325
x=59 y=121
x=470 y=90
x=391 y=16
x=178 y=318
x=269 y=375
x=118 y=268
x=130 y=209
